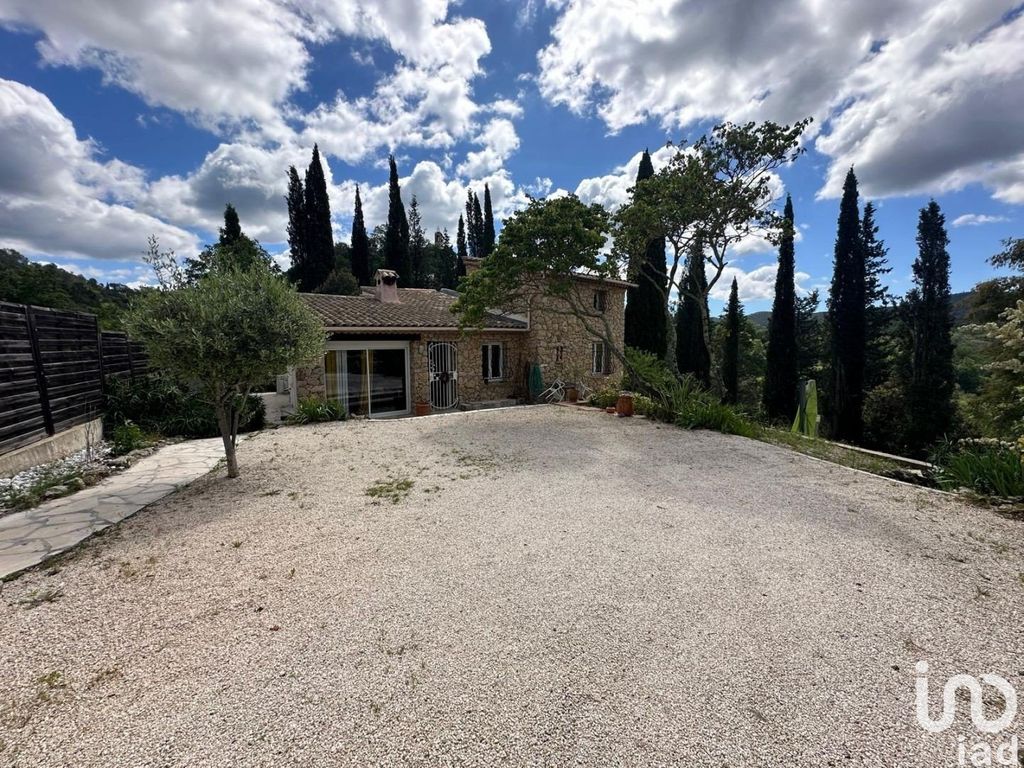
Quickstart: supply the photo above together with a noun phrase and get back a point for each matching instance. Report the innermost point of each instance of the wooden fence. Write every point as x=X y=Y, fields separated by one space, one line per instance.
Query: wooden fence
x=53 y=365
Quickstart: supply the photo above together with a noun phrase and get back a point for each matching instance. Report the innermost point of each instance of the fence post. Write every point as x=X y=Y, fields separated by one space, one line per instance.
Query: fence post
x=99 y=356
x=37 y=361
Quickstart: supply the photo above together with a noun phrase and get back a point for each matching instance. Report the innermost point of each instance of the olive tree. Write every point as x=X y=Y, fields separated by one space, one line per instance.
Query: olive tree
x=224 y=334
x=710 y=196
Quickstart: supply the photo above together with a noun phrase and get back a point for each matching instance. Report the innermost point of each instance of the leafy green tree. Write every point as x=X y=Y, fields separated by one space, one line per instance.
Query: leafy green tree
x=692 y=355
x=225 y=334
x=461 y=251
x=731 y=352
x=847 y=311
x=231 y=232
x=396 y=238
x=780 y=383
x=718 y=191
x=646 y=305
x=318 y=230
x=448 y=263
x=879 y=315
x=236 y=250
x=340 y=281
x=810 y=338
x=297 y=225
x=360 y=266
x=542 y=246
x=930 y=404
x=489 y=237
x=417 y=248
x=475 y=234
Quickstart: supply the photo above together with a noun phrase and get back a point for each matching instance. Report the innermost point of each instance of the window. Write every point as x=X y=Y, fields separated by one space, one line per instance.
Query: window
x=492 y=360
x=602 y=362
x=600 y=300
x=559 y=353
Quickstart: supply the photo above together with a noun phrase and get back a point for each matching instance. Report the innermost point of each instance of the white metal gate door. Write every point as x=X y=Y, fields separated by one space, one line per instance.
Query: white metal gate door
x=443 y=366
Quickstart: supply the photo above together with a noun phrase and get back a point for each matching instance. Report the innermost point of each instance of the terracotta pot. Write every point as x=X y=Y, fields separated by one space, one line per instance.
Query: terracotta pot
x=422 y=409
x=624 y=405
x=571 y=395
x=610 y=409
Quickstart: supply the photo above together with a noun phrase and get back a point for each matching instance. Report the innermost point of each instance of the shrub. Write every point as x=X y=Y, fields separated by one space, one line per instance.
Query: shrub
x=315 y=409
x=128 y=437
x=664 y=396
x=988 y=467
x=158 y=404
x=604 y=398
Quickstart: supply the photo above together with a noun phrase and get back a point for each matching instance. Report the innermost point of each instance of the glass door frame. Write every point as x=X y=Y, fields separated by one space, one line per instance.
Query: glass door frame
x=368 y=345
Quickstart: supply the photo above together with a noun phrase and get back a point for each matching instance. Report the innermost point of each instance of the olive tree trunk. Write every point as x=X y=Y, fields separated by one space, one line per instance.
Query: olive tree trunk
x=227 y=420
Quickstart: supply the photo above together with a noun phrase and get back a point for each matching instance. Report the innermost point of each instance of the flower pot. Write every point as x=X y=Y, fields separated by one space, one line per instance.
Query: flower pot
x=422 y=409
x=571 y=394
x=624 y=405
x=610 y=409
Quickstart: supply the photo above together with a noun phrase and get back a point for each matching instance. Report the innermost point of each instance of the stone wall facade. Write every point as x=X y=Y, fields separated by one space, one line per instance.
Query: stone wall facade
x=563 y=346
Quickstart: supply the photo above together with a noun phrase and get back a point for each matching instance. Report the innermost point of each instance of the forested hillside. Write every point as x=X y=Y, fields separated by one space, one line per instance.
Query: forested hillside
x=46 y=285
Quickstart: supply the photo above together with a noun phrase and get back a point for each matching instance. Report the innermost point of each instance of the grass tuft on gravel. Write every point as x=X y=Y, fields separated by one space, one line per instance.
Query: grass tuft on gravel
x=394 y=489
x=37 y=597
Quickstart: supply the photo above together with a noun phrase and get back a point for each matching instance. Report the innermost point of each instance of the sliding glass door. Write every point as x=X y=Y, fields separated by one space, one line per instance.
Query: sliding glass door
x=369 y=378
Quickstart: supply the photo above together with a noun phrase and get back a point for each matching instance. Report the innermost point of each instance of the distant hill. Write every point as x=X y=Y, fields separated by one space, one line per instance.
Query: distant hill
x=45 y=285
x=961 y=306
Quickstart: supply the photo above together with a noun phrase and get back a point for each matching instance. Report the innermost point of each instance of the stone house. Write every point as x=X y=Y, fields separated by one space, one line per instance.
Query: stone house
x=390 y=348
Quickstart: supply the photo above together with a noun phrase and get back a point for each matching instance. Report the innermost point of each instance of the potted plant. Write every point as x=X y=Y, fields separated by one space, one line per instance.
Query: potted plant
x=572 y=392
x=624 y=405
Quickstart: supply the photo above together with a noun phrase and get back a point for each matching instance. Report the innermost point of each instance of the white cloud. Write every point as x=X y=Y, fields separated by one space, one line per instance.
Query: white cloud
x=976 y=220
x=499 y=140
x=57 y=198
x=919 y=95
x=756 y=285
x=612 y=189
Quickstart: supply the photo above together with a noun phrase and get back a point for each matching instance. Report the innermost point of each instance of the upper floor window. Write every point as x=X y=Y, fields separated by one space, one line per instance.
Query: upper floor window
x=559 y=353
x=492 y=362
x=600 y=300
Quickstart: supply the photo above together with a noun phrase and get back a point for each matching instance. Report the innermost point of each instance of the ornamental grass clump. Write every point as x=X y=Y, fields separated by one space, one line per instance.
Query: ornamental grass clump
x=985 y=466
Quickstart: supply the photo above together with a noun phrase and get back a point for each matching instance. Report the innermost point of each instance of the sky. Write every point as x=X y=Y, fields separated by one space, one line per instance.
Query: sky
x=120 y=120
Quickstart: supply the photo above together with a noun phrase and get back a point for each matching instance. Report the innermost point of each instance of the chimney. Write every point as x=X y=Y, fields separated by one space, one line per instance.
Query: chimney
x=386 y=283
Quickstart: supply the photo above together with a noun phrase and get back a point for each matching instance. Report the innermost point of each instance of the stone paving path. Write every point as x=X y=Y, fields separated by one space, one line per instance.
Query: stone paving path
x=30 y=537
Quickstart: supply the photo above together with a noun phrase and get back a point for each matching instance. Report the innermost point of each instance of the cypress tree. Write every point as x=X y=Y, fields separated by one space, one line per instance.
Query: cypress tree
x=876 y=297
x=780 y=383
x=692 y=354
x=360 y=245
x=296 y=225
x=231 y=232
x=448 y=271
x=461 y=252
x=417 y=247
x=319 y=232
x=488 y=223
x=396 y=236
x=472 y=243
x=846 y=314
x=731 y=354
x=646 y=305
x=930 y=392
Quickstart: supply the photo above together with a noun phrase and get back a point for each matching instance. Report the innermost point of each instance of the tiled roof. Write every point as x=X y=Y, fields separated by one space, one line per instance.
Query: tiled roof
x=417 y=308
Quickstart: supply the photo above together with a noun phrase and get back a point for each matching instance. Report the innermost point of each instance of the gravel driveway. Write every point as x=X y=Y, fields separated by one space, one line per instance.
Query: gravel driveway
x=556 y=587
